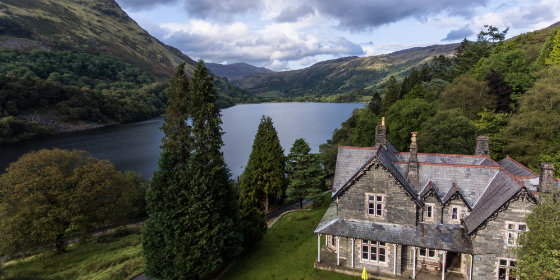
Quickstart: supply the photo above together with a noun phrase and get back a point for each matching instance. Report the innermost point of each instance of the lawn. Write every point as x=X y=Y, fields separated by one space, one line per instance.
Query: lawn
x=287 y=251
x=106 y=257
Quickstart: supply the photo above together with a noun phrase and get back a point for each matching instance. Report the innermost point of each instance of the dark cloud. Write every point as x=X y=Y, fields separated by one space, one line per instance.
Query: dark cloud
x=136 y=5
x=222 y=10
x=458 y=34
x=364 y=14
x=291 y=14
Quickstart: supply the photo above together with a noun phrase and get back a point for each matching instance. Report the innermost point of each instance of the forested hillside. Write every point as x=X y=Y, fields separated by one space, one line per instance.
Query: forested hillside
x=71 y=65
x=348 y=76
x=508 y=90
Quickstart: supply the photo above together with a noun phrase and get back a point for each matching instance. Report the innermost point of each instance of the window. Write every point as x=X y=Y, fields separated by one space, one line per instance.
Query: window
x=427 y=253
x=454 y=213
x=513 y=232
x=375 y=205
x=333 y=239
x=374 y=251
x=504 y=269
x=429 y=211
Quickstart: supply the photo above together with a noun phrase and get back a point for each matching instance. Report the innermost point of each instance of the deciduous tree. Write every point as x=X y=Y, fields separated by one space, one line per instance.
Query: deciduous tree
x=48 y=195
x=447 y=132
x=468 y=95
x=538 y=254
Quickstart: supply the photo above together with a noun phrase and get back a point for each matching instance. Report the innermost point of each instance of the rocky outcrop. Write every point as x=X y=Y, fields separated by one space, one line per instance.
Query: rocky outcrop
x=58 y=126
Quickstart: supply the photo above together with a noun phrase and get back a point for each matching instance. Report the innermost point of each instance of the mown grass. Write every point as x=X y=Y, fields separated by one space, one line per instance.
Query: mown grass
x=105 y=257
x=287 y=251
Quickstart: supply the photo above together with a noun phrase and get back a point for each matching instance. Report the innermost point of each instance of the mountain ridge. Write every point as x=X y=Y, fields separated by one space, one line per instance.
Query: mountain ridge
x=340 y=75
x=235 y=70
x=86 y=26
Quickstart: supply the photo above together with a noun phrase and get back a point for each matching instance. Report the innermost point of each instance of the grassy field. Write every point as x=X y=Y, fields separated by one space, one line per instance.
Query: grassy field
x=105 y=257
x=287 y=251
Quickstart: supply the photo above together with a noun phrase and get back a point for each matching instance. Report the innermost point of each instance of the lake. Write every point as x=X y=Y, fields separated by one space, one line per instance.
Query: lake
x=135 y=146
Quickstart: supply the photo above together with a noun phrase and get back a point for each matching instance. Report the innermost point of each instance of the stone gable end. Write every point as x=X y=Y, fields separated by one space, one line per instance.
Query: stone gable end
x=399 y=208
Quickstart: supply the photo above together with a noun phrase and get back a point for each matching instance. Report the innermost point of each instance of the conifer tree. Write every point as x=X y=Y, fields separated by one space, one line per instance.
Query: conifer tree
x=305 y=173
x=391 y=94
x=263 y=177
x=193 y=224
x=374 y=104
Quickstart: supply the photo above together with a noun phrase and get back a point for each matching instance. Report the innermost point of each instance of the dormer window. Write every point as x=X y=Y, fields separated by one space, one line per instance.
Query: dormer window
x=454 y=214
x=375 y=205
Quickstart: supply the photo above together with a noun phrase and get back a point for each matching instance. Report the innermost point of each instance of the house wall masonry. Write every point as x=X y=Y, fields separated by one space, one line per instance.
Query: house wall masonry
x=398 y=207
x=489 y=242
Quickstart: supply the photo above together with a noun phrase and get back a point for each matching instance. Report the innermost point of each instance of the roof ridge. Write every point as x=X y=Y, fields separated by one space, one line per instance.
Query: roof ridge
x=358 y=148
x=453 y=164
x=452 y=155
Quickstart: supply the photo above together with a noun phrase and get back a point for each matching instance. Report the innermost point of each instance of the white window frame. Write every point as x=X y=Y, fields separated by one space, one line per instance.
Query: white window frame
x=508 y=267
x=427 y=253
x=377 y=206
x=378 y=246
x=513 y=230
x=457 y=218
x=433 y=207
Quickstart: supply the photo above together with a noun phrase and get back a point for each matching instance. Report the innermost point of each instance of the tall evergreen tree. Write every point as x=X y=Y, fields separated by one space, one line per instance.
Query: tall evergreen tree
x=304 y=172
x=391 y=94
x=263 y=177
x=374 y=104
x=194 y=224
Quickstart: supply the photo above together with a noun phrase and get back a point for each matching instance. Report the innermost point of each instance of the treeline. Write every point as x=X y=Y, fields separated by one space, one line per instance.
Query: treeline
x=79 y=87
x=508 y=90
x=100 y=72
x=25 y=95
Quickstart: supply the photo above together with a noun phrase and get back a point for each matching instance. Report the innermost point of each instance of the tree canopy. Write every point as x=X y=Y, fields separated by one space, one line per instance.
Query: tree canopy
x=305 y=174
x=194 y=224
x=263 y=177
x=538 y=254
x=50 y=195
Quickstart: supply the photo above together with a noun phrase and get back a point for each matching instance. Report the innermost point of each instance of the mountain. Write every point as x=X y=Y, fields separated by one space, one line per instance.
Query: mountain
x=90 y=26
x=340 y=75
x=236 y=69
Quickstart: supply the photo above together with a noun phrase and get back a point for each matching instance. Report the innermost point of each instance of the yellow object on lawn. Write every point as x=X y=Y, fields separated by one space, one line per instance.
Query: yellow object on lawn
x=364 y=274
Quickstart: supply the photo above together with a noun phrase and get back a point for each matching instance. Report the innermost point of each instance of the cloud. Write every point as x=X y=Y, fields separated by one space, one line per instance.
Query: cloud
x=221 y=10
x=365 y=14
x=137 y=5
x=292 y=14
x=458 y=34
x=274 y=45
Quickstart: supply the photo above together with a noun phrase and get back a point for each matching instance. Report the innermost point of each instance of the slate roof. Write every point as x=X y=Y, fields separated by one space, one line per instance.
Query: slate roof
x=448 y=159
x=349 y=160
x=447 y=237
x=502 y=188
x=516 y=168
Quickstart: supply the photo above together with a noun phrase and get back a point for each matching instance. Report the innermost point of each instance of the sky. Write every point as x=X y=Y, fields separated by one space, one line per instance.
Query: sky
x=293 y=34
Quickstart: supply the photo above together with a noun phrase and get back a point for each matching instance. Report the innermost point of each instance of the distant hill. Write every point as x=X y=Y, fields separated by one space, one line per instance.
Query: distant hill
x=91 y=26
x=236 y=69
x=340 y=75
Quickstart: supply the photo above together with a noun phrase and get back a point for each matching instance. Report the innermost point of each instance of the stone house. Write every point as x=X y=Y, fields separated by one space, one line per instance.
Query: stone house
x=405 y=214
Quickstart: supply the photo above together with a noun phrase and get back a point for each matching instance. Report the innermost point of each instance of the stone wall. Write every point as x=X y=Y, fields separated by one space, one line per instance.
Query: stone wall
x=398 y=205
x=489 y=242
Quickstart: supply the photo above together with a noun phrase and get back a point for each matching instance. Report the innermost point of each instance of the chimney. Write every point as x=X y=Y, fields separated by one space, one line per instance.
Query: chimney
x=546 y=180
x=482 y=146
x=412 y=172
x=381 y=133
